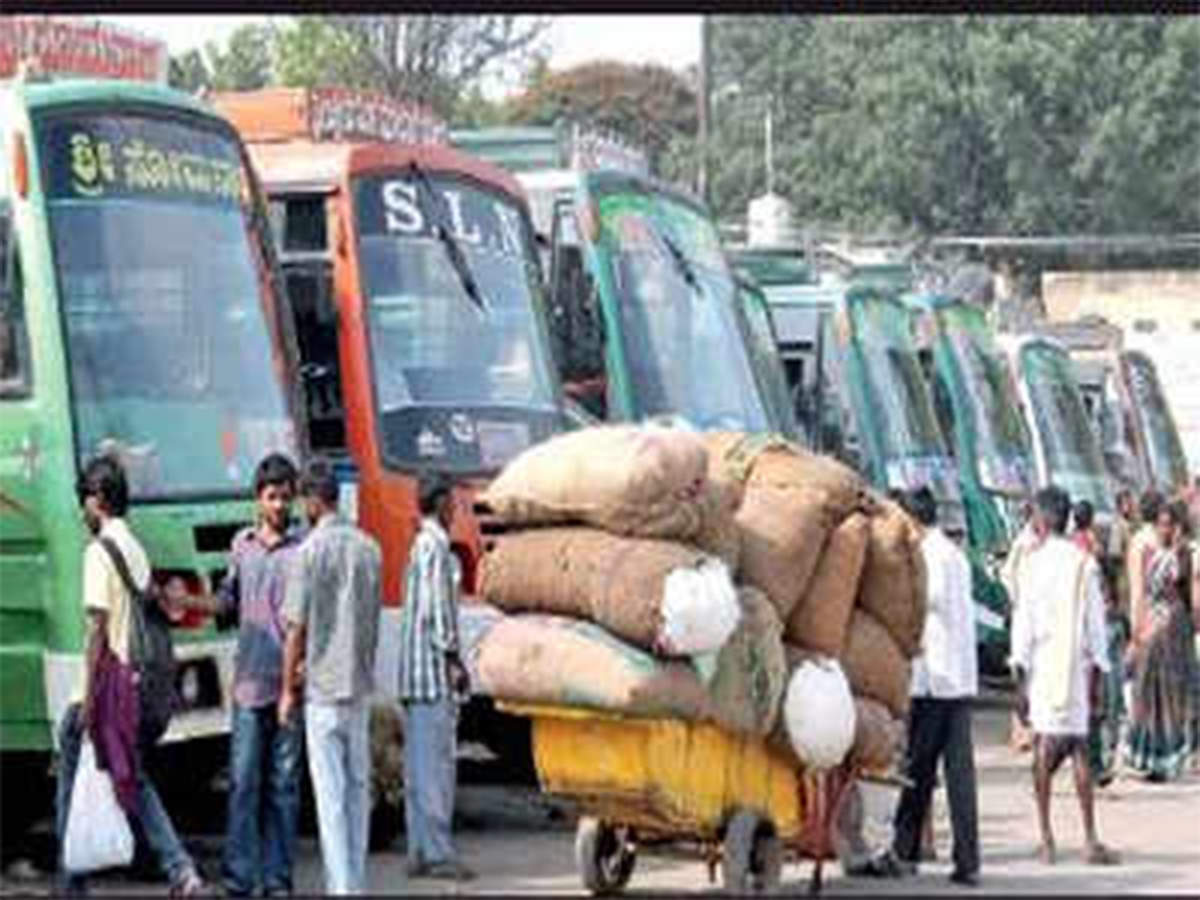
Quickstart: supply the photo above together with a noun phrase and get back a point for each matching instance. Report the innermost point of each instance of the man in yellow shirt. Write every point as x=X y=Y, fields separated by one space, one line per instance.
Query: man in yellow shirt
x=104 y=495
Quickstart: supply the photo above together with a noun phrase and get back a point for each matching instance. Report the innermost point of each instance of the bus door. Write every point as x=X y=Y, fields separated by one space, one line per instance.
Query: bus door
x=299 y=221
x=576 y=322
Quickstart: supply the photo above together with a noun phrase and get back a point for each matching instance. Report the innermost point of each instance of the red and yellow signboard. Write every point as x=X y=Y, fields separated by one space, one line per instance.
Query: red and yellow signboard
x=329 y=114
x=88 y=49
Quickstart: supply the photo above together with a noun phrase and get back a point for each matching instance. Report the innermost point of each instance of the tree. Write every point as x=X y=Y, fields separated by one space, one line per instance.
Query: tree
x=189 y=72
x=426 y=58
x=965 y=123
x=245 y=63
x=649 y=105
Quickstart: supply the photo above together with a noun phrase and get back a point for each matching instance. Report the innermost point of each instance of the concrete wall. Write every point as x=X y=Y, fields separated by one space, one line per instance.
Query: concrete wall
x=1169 y=296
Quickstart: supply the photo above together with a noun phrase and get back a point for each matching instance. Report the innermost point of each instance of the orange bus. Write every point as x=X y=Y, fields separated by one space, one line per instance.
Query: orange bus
x=413 y=281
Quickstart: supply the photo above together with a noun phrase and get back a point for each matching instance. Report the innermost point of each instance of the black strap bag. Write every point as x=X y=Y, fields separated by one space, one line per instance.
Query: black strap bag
x=151 y=652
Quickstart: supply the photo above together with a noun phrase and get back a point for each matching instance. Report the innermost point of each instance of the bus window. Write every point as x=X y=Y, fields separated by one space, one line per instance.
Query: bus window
x=14 y=340
x=304 y=225
x=577 y=329
x=943 y=406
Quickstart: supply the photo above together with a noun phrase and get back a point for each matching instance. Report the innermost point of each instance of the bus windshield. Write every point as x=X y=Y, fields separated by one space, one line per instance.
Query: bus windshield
x=765 y=356
x=462 y=383
x=1168 y=465
x=1002 y=454
x=162 y=285
x=897 y=390
x=685 y=353
x=1073 y=457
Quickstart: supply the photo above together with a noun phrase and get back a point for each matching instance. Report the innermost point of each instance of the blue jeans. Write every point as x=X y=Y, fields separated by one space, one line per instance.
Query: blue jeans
x=429 y=774
x=264 y=802
x=339 y=759
x=151 y=815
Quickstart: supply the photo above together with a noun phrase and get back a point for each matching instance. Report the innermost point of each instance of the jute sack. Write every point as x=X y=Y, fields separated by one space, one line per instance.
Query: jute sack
x=556 y=661
x=819 y=619
x=783 y=532
x=878 y=736
x=766 y=461
x=627 y=479
x=892 y=588
x=874 y=663
x=751 y=670
x=719 y=534
x=619 y=583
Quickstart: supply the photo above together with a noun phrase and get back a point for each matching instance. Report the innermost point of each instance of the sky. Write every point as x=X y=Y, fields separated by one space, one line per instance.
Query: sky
x=671 y=40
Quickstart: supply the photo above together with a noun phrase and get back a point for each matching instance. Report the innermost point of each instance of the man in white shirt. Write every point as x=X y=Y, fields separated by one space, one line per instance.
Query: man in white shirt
x=944 y=679
x=1059 y=650
x=1019 y=738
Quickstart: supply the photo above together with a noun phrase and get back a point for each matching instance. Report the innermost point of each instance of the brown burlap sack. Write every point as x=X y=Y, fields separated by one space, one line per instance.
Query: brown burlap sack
x=765 y=461
x=387 y=753
x=783 y=532
x=627 y=479
x=616 y=582
x=874 y=664
x=719 y=534
x=892 y=588
x=878 y=736
x=819 y=619
x=565 y=662
x=751 y=671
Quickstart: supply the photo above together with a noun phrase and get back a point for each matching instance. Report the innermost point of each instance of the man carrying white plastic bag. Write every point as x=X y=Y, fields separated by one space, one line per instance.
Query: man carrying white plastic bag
x=98 y=835
x=107 y=710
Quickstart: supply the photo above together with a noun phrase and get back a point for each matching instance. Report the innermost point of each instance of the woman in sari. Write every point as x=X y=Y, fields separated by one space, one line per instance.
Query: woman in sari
x=1161 y=655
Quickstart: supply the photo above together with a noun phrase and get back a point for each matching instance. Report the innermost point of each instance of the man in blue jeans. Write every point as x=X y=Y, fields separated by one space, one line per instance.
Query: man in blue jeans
x=104 y=496
x=431 y=675
x=264 y=795
x=332 y=610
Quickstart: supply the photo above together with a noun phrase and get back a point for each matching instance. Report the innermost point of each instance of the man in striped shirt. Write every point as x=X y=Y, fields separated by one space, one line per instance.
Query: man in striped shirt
x=431 y=679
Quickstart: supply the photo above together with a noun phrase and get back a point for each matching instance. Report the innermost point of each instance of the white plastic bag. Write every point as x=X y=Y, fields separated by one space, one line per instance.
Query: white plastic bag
x=819 y=714
x=98 y=835
x=700 y=609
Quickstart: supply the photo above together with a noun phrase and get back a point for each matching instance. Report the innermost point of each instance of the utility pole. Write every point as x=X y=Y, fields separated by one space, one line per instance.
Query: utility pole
x=703 y=108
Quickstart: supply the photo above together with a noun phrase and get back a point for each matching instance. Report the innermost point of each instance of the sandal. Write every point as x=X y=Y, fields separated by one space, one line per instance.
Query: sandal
x=1099 y=855
x=1046 y=854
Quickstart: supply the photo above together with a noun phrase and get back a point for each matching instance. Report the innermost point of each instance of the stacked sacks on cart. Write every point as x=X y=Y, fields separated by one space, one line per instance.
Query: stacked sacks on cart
x=844 y=571
x=654 y=572
x=612 y=586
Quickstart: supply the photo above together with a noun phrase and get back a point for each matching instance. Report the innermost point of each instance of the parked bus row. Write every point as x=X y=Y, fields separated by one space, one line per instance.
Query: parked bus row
x=190 y=285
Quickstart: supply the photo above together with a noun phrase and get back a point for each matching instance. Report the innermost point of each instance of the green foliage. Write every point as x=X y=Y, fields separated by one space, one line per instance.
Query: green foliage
x=964 y=123
x=245 y=63
x=189 y=72
x=433 y=59
x=649 y=105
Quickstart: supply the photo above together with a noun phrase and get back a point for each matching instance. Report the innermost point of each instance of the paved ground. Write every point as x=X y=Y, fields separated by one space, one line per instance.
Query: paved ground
x=518 y=844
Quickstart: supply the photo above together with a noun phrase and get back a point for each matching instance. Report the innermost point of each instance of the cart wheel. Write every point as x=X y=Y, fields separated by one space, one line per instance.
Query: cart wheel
x=605 y=855
x=753 y=854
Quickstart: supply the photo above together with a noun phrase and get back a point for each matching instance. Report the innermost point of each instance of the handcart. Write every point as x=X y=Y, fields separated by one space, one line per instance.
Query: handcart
x=640 y=782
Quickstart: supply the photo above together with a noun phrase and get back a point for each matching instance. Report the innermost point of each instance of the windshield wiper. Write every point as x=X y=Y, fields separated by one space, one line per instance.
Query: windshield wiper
x=681 y=263
x=458 y=261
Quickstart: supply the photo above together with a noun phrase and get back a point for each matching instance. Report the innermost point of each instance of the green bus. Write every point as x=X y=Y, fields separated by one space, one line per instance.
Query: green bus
x=649 y=320
x=137 y=318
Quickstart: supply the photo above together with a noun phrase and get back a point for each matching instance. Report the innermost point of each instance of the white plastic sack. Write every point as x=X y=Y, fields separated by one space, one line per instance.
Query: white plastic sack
x=700 y=609
x=98 y=835
x=819 y=713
